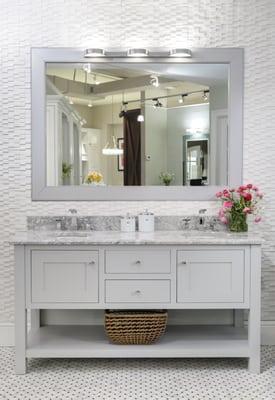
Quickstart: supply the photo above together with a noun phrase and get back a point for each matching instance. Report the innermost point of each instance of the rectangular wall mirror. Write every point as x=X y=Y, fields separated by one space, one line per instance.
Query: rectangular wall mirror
x=121 y=128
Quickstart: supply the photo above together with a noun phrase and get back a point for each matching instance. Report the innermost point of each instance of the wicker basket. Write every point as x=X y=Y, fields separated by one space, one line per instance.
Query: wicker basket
x=135 y=327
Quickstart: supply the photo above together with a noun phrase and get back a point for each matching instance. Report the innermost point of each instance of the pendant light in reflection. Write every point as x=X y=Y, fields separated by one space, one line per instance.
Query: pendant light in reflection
x=112 y=150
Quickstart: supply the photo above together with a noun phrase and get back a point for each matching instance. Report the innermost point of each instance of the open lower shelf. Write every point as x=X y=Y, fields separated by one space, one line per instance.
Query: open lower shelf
x=178 y=341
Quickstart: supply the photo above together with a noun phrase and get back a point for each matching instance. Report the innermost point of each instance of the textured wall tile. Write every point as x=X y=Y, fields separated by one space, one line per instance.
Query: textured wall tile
x=113 y=23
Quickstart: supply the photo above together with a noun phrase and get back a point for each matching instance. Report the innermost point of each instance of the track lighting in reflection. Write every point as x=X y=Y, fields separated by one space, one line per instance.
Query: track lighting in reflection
x=87 y=68
x=154 y=81
x=181 y=98
x=71 y=101
x=92 y=52
x=123 y=109
x=140 y=118
x=205 y=95
x=90 y=104
x=157 y=103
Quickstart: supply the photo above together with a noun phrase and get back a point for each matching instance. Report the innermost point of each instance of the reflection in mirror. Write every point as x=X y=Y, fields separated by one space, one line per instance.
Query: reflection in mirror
x=137 y=124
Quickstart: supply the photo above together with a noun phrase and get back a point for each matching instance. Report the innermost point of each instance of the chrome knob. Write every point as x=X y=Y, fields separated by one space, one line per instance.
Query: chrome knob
x=138 y=262
x=138 y=292
x=183 y=262
x=92 y=262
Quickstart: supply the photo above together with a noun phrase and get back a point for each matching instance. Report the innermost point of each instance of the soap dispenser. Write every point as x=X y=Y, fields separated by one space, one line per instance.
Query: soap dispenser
x=128 y=223
x=146 y=222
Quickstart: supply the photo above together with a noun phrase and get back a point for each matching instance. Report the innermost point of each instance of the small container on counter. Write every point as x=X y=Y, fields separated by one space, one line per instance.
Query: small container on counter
x=128 y=224
x=146 y=222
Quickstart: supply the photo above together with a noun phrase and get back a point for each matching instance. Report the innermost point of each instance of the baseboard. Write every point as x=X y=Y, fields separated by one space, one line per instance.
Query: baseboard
x=7 y=334
x=268 y=333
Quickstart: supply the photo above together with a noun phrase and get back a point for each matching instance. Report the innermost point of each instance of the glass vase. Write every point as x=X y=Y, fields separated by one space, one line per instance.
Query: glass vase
x=238 y=222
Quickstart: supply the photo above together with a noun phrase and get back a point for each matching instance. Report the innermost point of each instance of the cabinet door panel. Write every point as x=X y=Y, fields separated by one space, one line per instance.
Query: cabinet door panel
x=64 y=276
x=210 y=276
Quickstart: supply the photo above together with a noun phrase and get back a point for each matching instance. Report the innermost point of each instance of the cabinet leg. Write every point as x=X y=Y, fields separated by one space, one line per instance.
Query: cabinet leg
x=35 y=319
x=20 y=312
x=238 y=318
x=254 y=315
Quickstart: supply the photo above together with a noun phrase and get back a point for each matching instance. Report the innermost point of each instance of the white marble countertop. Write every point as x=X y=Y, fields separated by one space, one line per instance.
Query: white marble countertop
x=32 y=237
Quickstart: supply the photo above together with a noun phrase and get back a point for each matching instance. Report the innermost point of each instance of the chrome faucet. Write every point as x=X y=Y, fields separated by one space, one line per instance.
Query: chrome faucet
x=73 y=211
x=202 y=212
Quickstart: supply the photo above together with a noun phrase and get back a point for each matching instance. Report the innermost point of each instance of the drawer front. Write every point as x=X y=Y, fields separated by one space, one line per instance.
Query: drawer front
x=213 y=276
x=64 y=276
x=137 y=261
x=137 y=291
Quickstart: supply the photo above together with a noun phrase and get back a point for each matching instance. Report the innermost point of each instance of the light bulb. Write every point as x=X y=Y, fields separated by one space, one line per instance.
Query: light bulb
x=140 y=118
x=90 y=104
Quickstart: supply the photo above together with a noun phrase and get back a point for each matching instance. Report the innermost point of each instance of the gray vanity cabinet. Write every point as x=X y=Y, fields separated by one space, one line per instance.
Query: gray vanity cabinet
x=147 y=276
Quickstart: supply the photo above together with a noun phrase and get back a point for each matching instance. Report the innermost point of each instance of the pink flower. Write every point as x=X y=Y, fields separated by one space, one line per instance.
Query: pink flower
x=247 y=210
x=260 y=195
x=255 y=188
x=232 y=190
x=227 y=204
x=247 y=196
x=241 y=188
x=226 y=194
x=224 y=220
x=219 y=194
x=249 y=186
x=257 y=219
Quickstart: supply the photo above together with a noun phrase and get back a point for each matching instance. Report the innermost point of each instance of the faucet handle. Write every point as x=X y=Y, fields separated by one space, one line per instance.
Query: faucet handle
x=73 y=210
x=202 y=211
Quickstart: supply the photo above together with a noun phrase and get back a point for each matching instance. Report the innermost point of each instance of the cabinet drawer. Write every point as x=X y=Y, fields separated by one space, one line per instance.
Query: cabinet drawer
x=212 y=276
x=137 y=291
x=137 y=261
x=64 y=276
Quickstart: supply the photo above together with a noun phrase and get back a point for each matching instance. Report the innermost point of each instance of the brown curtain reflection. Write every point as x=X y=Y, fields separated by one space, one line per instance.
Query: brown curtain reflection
x=132 y=161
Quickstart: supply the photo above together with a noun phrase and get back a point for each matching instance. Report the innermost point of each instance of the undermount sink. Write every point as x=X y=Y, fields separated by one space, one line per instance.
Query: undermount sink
x=72 y=234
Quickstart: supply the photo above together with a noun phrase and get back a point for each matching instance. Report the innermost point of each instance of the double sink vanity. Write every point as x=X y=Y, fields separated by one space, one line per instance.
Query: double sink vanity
x=195 y=99
x=173 y=270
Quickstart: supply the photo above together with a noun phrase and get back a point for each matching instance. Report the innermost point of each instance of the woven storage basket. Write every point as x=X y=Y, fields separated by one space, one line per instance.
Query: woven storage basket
x=135 y=327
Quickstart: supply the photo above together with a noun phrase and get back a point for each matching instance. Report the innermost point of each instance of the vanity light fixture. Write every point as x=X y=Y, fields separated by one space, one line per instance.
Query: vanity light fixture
x=94 y=52
x=180 y=53
x=137 y=53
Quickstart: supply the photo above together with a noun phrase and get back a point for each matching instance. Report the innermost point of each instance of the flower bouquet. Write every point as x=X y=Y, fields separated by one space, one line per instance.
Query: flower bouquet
x=237 y=204
x=166 y=178
x=94 y=178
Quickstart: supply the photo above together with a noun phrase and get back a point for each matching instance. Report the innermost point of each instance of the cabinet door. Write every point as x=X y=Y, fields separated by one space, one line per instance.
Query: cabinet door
x=213 y=276
x=60 y=276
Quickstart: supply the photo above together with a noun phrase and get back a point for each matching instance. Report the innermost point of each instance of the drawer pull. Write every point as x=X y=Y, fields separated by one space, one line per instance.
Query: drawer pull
x=183 y=262
x=138 y=262
x=92 y=263
x=137 y=292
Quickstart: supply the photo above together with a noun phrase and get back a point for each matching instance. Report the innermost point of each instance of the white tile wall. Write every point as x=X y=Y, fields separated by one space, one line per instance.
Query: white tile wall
x=117 y=23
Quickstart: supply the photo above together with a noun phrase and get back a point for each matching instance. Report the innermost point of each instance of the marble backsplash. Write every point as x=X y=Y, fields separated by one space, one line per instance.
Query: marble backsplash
x=112 y=223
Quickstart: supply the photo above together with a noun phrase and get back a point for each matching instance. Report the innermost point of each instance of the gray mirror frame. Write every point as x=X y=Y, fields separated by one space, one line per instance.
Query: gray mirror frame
x=234 y=57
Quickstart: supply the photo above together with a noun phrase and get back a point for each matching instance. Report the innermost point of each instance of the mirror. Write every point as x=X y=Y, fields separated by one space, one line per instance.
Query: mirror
x=124 y=124
x=126 y=128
